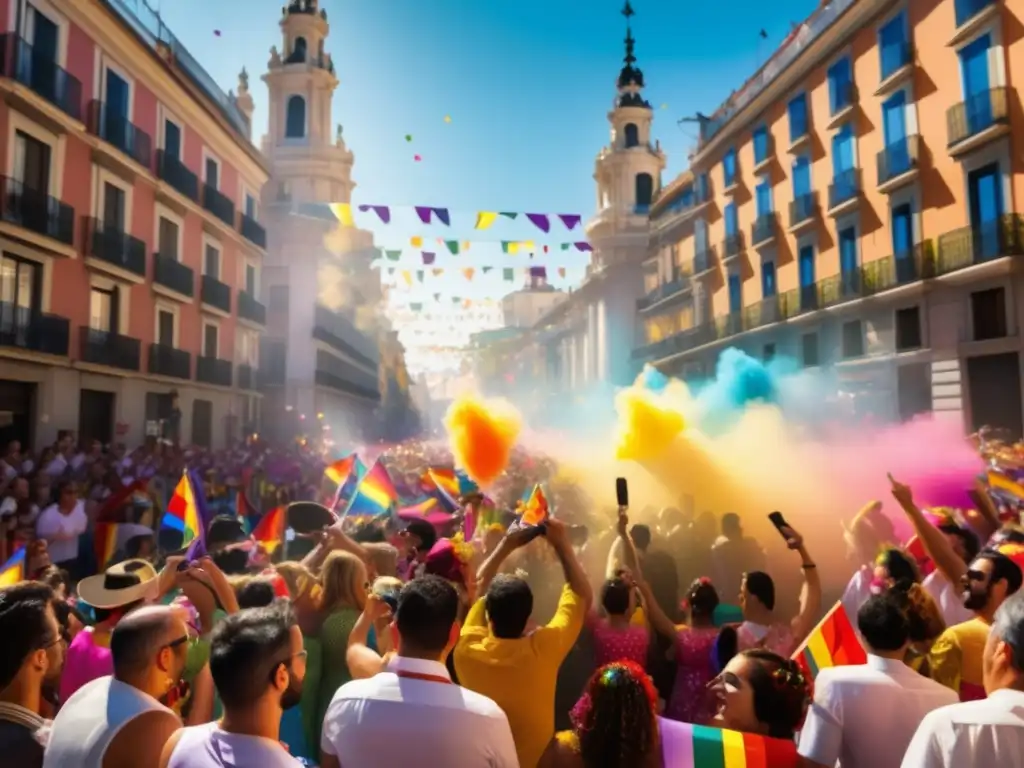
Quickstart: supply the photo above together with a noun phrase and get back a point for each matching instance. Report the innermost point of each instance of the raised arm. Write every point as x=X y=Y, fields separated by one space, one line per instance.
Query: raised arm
x=934 y=541
x=810 y=594
x=362 y=660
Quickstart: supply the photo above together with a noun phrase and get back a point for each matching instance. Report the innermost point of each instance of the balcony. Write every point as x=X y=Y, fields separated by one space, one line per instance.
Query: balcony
x=168 y=361
x=215 y=294
x=799 y=135
x=803 y=212
x=703 y=261
x=245 y=377
x=341 y=384
x=253 y=232
x=41 y=75
x=839 y=288
x=113 y=248
x=898 y=164
x=211 y=370
x=842 y=100
x=764 y=151
x=174 y=172
x=118 y=131
x=338 y=331
x=762 y=231
x=32 y=331
x=110 y=349
x=977 y=121
x=681 y=209
x=219 y=205
x=250 y=309
x=273 y=370
x=970 y=246
x=173 y=275
x=765 y=312
x=37 y=212
x=663 y=293
x=808 y=297
x=897 y=63
x=732 y=246
x=844 y=192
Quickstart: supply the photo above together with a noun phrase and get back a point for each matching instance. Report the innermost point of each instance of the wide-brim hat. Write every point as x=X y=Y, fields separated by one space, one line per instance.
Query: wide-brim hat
x=118 y=586
x=308 y=516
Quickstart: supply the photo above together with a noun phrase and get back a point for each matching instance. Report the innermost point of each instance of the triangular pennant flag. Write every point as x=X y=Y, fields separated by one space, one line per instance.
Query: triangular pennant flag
x=428 y=257
x=538 y=272
x=485 y=219
x=391 y=270
x=419 y=275
x=382 y=211
x=561 y=271
x=513 y=247
x=437 y=272
x=545 y=249
x=509 y=215
x=416 y=241
x=453 y=247
x=469 y=272
x=566 y=246
x=528 y=245
x=508 y=274
x=424 y=213
x=442 y=214
x=415 y=306
x=465 y=245
x=407 y=276
x=571 y=220
x=540 y=221
x=393 y=255
x=485 y=270
x=504 y=246
x=343 y=213
x=437 y=297
x=456 y=299
x=584 y=247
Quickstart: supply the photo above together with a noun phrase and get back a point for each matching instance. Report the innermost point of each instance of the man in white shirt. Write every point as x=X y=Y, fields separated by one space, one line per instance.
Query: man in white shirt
x=854 y=704
x=988 y=732
x=412 y=713
x=61 y=524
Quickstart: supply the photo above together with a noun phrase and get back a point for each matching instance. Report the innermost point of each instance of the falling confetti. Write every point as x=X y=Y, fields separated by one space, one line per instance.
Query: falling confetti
x=216 y=32
x=447 y=118
x=408 y=137
x=417 y=158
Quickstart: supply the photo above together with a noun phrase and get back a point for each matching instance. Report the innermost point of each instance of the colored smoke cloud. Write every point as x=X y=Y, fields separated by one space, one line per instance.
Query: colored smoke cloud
x=481 y=434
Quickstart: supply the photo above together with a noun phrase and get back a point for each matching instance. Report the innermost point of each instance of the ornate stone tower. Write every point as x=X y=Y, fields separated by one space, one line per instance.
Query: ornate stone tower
x=628 y=170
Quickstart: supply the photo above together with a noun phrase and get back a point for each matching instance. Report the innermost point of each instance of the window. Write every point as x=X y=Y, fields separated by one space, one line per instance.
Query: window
x=768 y=288
x=908 y=329
x=893 y=46
x=840 y=85
x=848 y=251
x=630 y=136
x=165 y=327
x=644 y=189
x=729 y=168
x=211 y=261
x=117 y=105
x=809 y=349
x=278 y=298
x=894 y=127
x=104 y=309
x=32 y=162
x=299 y=51
x=210 y=340
x=760 y=144
x=250 y=206
x=798 y=118
x=20 y=290
x=802 y=176
x=988 y=314
x=295 y=117
x=169 y=234
x=763 y=195
x=853 y=339
x=731 y=220
x=44 y=35
x=172 y=139
x=702 y=188
x=902 y=230
x=735 y=294
x=250 y=280
x=212 y=168
x=985 y=201
x=769 y=352
x=842 y=151
x=806 y=266
x=114 y=207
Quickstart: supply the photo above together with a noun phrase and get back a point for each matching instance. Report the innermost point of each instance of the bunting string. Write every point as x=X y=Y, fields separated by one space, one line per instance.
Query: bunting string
x=345 y=214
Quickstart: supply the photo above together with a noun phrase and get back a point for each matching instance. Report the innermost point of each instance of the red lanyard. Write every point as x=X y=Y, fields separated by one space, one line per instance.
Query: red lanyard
x=427 y=678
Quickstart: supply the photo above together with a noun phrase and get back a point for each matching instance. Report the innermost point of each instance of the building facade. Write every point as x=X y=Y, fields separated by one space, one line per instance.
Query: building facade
x=852 y=207
x=523 y=308
x=130 y=232
x=585 y=341
x=329 y=349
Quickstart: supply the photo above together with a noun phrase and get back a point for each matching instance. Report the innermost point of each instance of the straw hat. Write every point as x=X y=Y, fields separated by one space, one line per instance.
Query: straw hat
x=120 y=585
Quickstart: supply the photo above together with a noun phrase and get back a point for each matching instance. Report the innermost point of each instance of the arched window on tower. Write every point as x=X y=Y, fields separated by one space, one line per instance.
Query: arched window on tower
x=644 y=190
x=632 y=135
x=295 y=120
x=298 y=51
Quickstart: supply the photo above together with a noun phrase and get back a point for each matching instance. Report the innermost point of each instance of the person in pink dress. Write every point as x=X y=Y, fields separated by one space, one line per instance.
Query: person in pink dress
x=615 y=637
x=695 y=668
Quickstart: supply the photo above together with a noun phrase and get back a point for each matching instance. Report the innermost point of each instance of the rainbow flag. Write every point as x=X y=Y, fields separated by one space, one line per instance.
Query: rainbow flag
x=997 y=481
x=446 y=481
x=421 y=508
x=339 y=471
x=270 y=529
x=183 y=514
x=833 y=643
x=105 y=541
x=375 y=494
x=699 y=746
x=13 y=570
x=535 y=510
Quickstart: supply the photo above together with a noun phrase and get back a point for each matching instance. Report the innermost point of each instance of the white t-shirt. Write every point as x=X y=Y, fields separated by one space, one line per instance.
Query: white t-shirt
x=209 y=746
x=52 y=524
x=948 y=597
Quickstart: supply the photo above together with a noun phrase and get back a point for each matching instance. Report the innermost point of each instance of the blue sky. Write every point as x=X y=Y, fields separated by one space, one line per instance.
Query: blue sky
x=527 y=84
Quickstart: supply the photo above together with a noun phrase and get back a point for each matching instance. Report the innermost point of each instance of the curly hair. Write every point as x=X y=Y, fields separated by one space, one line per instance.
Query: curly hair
x=782 y=693
x=702 y=597
x=924 y=617
x=616 y=718
x=901 y=567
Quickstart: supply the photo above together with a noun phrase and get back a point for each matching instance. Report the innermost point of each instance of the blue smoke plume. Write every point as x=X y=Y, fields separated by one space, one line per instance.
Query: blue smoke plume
x=739 y=380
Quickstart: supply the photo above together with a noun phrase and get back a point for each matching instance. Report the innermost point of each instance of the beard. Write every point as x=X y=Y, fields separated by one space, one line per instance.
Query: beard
x=975 y=599
x=292 y=694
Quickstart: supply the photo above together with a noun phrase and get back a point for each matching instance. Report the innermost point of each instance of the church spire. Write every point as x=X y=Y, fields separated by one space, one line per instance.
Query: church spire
x=631 y=78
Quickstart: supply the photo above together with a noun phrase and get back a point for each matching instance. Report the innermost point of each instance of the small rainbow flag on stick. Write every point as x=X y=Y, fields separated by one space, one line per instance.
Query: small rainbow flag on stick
x=270 y=529
x=833 y=643
x=13 y=570
x=698 y=746
x=535 y=510
x=183 y=515
x=375 y=495
x=997 y=481
x=105 y=541
x=339 y=471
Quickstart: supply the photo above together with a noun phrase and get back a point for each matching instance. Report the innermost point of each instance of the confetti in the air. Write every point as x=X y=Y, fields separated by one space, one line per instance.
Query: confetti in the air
x=408 y=137
x=417 y=158
x=216 y=32
x=447 y=118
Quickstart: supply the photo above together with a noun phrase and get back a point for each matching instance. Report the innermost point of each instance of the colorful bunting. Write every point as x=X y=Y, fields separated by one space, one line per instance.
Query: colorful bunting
x=540 y=221
x=428 y=258
x=485 y=219
x=382 y=211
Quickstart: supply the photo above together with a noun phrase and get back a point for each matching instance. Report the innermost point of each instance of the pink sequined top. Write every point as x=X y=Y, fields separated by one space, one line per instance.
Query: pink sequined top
x=691 y=702
x=618 y=644
x=86 y=661
x=778 y=639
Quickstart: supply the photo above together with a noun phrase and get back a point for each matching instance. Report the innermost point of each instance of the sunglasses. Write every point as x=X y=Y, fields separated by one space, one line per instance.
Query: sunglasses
x=975 y=575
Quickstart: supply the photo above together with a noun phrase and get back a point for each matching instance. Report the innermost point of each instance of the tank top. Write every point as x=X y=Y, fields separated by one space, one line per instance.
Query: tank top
x=209 y=746
x=91 y=718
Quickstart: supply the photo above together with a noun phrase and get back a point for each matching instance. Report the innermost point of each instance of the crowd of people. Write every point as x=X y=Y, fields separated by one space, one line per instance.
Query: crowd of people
x=580 y=642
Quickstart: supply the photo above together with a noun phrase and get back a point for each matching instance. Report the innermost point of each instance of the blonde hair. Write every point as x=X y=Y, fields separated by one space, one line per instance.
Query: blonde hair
x=384 y=584
x=383 y=558
x=299 y=578
x=343 y=578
